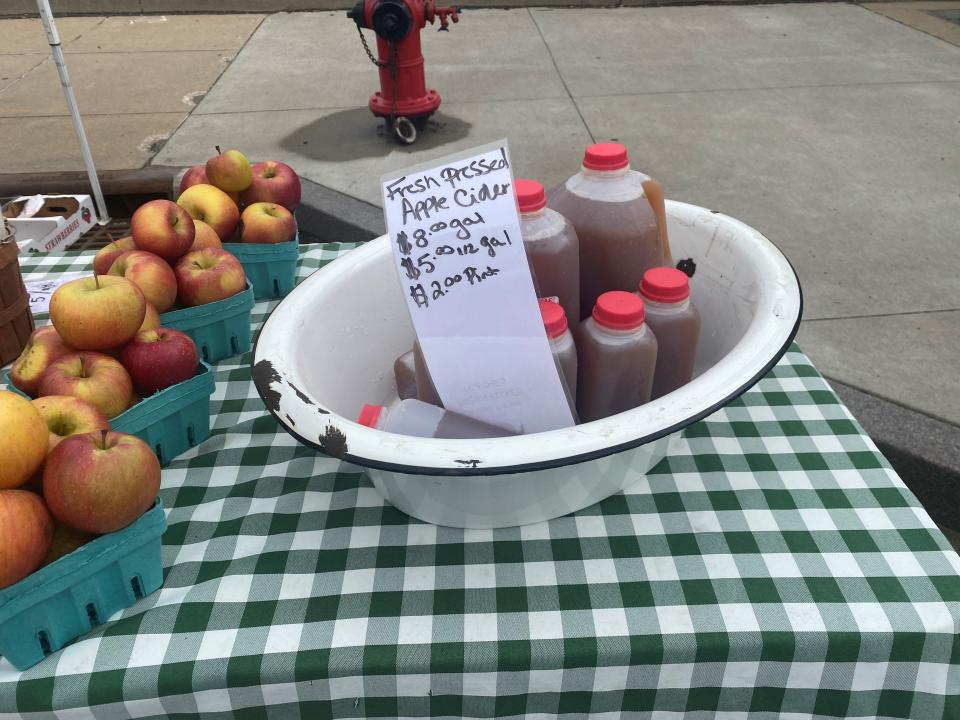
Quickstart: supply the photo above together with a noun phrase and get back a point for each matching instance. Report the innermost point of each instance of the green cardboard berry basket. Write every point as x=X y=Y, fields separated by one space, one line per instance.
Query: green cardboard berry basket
x=170 y=421
x=271 y=268
x=220 y=329
x=66 y=599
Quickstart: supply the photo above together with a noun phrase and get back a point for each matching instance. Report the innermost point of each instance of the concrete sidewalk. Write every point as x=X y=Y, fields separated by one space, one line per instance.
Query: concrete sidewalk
x=832 y=129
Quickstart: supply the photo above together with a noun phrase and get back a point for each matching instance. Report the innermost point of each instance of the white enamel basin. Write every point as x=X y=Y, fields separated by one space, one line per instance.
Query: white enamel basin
x=329 y=347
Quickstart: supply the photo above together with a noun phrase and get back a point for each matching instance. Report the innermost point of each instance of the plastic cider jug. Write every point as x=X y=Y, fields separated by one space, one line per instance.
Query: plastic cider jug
x=675 y=321
x=561 y=346
x=426 y=391
x=614 y=221
x=405 y=374
x=420 y=419
x=552 y=248
x=617 y=357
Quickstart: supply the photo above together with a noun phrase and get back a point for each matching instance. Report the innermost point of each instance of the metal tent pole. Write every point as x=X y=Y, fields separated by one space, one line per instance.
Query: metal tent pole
x=53 y=38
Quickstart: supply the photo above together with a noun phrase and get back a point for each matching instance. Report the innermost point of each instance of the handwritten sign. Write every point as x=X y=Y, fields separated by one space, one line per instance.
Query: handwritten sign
x=455 y=235
x=41 y=291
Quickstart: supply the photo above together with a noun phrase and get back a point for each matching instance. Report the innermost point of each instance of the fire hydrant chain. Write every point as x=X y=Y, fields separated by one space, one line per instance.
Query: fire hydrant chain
x=393 y=81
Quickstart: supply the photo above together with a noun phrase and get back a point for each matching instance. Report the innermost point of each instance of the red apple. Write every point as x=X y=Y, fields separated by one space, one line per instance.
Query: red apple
x=205 y=276
x=91 y=376
x=152 y=274
x=66 y=415
x=26 y=530
x=163 y=228
x=205 y=237
x=97 y=313
x=157 y=359
x=213 y=206
x=106 y=255
x=274 y=182
x=151 y=320
x=100 y=482
x=265 y=222
x=43 y=347
x=65 y=540
x=196 y=175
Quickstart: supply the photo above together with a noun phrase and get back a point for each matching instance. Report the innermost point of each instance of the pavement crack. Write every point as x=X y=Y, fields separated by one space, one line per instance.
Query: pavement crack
x=870 y=316
x=563 y=82
x=13 y=81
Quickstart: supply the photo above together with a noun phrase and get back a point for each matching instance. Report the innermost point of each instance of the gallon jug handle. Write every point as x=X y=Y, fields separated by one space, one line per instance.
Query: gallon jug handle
x=654 y=192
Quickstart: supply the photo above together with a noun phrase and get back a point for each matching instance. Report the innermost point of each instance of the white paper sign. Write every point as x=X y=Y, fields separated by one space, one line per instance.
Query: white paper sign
x=41 y=291
x=456 y=242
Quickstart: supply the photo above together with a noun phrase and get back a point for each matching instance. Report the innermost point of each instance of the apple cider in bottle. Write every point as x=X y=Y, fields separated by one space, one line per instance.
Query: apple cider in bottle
x=405 y=374
x=616 y=226
x=676 y=323
x=552 y=248
x=617 y=357
x=561 y=346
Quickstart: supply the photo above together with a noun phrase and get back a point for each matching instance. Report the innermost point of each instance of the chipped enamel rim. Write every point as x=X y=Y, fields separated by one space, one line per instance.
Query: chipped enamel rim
x=769 y=334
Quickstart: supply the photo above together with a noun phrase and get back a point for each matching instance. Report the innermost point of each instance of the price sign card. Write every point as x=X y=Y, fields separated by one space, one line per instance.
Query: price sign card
x=455 y=234
x=41 y=291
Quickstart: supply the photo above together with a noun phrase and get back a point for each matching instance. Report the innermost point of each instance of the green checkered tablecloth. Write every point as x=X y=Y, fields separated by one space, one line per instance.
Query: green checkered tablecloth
x=773 y=567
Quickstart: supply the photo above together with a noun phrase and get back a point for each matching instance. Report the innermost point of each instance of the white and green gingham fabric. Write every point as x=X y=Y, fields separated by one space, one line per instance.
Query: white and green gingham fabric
x=773 y=567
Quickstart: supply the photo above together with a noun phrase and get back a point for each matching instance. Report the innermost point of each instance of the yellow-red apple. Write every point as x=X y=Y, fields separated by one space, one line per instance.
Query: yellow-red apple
x=43 y=347
x=66 y=415
x=196 y=175
x=265 y=222
x=91 y=376
x=205 y=276
x=230 y=171
x=213 y=206
x=23 y=439
x=205 y=237
x=100 y=482
x=26 y=530
x=106 y=255
x=97 y=313
x=157 y=359
x=163 y=228
x=274 y=182
x=151 y=273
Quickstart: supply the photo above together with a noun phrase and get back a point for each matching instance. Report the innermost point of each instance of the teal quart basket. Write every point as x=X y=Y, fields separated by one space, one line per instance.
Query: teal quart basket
x=270 y=268
x=70 y=596
x=220 y=329
x=171 y=421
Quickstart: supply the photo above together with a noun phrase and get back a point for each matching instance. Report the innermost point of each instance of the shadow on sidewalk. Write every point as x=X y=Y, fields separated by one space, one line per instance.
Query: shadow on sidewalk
x=355 y=133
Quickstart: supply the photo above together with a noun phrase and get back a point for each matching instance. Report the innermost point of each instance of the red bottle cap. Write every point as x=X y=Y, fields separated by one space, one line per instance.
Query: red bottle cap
x=618 y=310
x=370 y=415
x=605 y=156
x=530 y=195
x=665 y=285
x=554 y=318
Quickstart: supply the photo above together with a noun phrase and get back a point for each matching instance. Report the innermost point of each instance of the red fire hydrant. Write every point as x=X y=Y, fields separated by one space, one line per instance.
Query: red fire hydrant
x=403 y=99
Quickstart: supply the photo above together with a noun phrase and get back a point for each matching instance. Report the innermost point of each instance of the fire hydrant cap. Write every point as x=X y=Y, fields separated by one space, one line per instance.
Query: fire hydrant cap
x=665 y=284
x=530 y=195
x=605 y=156
x=619 y=310
x=554 y=318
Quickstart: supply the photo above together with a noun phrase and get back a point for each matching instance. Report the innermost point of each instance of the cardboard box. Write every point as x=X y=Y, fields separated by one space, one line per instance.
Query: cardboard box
x=55 y=226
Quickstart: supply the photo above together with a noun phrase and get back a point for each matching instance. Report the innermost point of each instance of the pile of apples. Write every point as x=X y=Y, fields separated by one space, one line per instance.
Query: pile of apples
x=267 y=192
x=106 y=348
x=61 y=487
